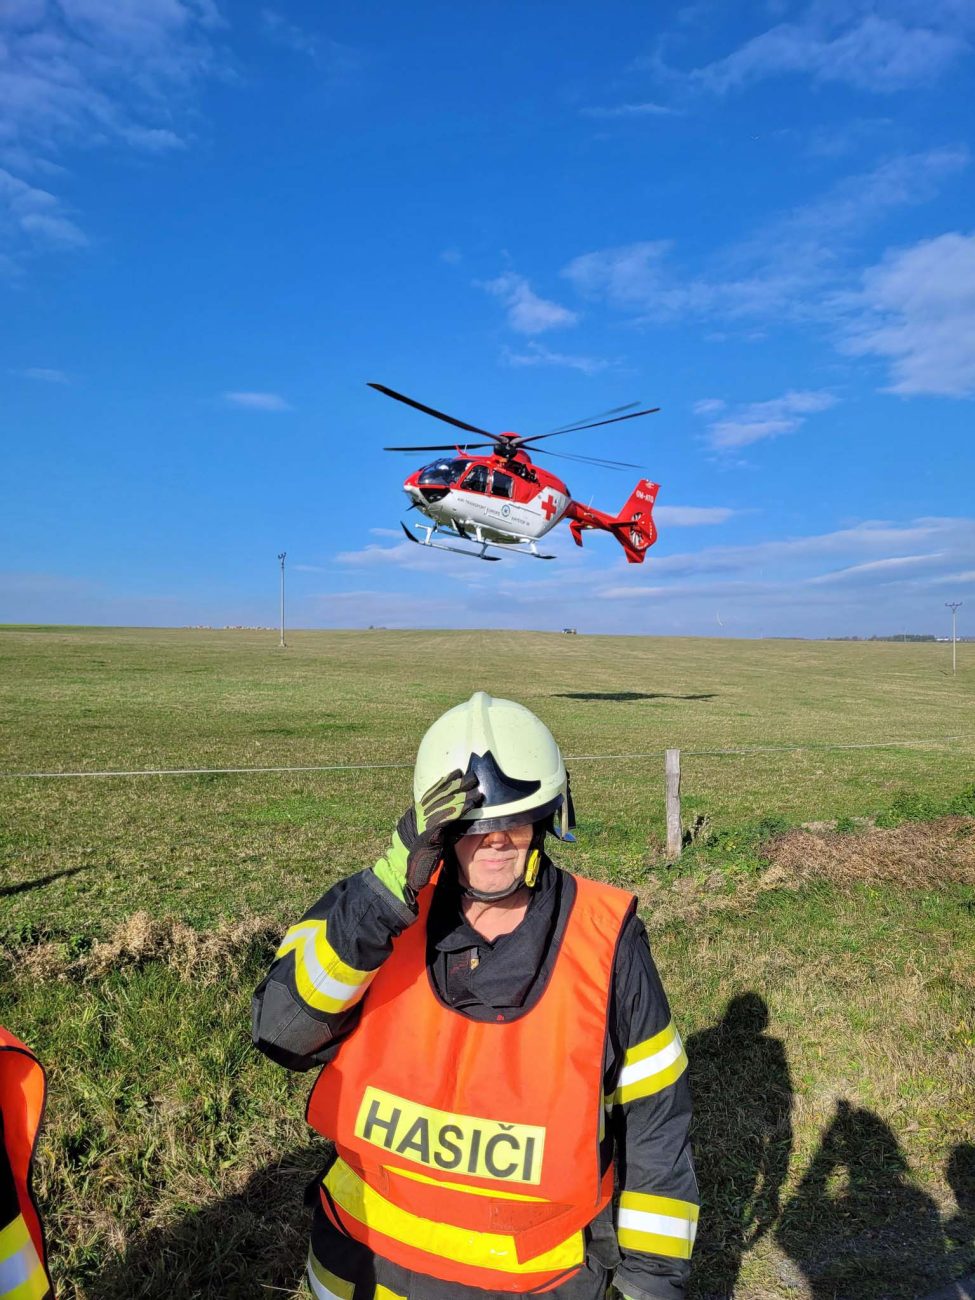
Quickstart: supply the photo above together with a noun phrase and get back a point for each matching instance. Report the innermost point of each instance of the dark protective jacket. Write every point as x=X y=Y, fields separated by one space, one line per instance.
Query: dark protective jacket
x=23 y=1272
x=310 y=1001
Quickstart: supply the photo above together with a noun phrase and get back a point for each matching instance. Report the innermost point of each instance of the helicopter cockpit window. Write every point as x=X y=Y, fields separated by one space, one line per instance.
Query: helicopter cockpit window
x=476 y=480
x=500 y=484
x=443 y=472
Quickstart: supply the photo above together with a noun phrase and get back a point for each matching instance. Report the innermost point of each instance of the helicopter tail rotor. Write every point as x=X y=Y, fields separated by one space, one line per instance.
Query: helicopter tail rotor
x=633 y=527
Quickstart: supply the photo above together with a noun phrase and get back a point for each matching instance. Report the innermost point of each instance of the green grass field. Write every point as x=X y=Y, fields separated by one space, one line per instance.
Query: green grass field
x=830 y=1013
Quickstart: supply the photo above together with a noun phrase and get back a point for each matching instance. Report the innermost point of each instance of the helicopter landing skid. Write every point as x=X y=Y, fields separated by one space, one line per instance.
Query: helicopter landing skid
x=480 y=554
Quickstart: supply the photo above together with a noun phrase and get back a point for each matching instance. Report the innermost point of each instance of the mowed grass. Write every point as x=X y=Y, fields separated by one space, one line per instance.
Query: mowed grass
x=831 y=1023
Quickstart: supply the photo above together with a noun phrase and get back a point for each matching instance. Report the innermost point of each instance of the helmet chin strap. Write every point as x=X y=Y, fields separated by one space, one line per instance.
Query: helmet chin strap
x=482 y=896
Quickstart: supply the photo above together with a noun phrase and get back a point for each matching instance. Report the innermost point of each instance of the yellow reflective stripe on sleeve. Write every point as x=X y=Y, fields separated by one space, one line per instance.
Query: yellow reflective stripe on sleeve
x=13 y=1236
x=22 y=1275
x=651 y=1066
x=325 y=1285
x=324 y=981
x=491 y=1250
x=493 y=1192
x=34 y=1288
x=656 y=1225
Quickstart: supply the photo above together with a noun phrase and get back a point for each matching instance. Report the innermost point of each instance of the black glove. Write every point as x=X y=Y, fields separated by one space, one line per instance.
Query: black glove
x=417 y=843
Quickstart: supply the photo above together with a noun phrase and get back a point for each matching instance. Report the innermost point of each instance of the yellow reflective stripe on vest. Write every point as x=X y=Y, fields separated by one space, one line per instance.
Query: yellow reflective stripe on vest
x=656 y=1225
x=490 y=1250
x=384 y=1293
x=323 y=979
x=651 y=1066
x=325 y=1285
x=22 y=1275
x=493 y=1192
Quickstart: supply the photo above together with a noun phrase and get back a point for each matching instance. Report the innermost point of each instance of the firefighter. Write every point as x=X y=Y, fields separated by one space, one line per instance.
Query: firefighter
x=23 y=1270
x=495 y=1045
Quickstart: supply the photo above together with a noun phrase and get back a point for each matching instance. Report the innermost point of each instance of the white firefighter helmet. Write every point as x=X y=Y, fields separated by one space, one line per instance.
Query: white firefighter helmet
x=519 y=767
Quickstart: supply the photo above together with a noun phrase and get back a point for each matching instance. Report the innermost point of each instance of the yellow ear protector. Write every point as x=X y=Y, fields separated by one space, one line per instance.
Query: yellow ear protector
x=531 y=867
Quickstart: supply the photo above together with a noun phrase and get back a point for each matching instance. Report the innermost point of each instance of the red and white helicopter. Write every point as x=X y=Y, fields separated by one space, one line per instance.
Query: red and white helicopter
x=502 y=500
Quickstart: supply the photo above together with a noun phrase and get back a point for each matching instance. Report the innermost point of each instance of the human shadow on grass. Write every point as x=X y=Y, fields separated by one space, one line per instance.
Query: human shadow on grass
x=960 y=1228
x=857 y=1225
x=249 y=1246
x=25 y=886
x=742 y=1138
x=625 y=697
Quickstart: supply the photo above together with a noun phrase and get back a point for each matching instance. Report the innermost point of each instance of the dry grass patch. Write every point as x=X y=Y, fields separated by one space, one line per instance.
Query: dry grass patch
x=915 y=855
x=200 y=956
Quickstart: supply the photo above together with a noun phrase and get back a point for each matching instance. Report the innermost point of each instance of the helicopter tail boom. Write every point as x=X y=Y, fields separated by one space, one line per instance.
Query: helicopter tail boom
x=633 y=527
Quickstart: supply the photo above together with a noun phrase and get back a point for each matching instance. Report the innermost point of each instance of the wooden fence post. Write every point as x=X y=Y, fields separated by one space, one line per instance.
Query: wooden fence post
x=673 y=803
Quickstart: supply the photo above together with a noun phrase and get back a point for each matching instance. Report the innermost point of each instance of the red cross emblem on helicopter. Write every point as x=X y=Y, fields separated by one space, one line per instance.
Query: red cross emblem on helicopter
x=549 y=507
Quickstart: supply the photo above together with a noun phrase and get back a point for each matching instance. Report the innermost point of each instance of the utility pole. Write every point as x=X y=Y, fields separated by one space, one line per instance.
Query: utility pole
x=953 y=605
x=282 y=557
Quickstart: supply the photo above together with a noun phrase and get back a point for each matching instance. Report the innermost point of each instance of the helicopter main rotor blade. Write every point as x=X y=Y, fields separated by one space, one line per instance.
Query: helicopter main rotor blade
x=595 y=425
x=429 y=410
x=613 y=410
x=467 y=446
x=589 y=460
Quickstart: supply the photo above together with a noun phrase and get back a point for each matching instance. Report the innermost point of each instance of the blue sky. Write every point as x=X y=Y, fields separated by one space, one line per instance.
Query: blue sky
x=217 y=222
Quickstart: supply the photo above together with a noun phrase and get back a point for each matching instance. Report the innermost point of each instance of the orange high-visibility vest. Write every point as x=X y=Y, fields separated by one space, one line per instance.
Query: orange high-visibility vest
x=23 y=1271
x=469 y=1151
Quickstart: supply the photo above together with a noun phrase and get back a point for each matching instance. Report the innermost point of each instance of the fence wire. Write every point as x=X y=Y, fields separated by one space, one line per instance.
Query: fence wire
x=823 y=747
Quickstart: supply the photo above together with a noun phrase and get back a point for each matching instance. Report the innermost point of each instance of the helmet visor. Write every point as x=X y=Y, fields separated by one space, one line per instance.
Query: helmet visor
x=485 y=825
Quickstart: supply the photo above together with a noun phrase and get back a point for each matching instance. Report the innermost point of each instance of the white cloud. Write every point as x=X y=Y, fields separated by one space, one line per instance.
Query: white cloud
x=46 y=375
x=644 y=109
x=709 y=406
x=892 y=567
x=629 y=275
x=765 y=587
x=537 y=355
x=784 y=270
x=786 y=577
x=757 y=421
x=691 y=516
x=871 y=52
x=946 y=536
x=406 y=555
x=258 y=401
x=288 y=34
x=88 y=71
x=34 y=214
x=57 y=232
x=83 y=73
x=335 y=63
x=916 y=309
x=527 y=312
